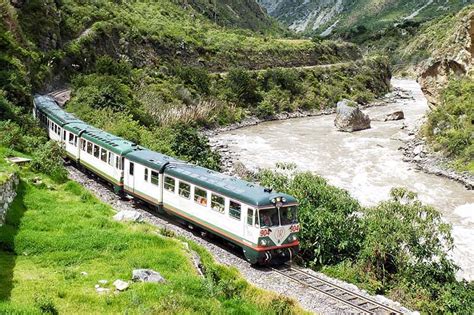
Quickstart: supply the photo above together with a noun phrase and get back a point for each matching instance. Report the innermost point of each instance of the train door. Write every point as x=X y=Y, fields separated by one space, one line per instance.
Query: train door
x=129 y=177
x=250 y=224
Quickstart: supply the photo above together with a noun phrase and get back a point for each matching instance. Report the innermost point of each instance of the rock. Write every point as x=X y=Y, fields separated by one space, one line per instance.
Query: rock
x=398 y=115
x=97 y=286
x=103 y=281
x=121 y=285
x=128 y=215
x=84 y=273
x=418 y=149
x=147 y=275
x=350 y=118
x=102 y=290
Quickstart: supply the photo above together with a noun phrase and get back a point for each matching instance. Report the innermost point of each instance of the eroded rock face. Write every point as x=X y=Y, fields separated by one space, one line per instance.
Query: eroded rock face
x=350 y=118
x=454 y=59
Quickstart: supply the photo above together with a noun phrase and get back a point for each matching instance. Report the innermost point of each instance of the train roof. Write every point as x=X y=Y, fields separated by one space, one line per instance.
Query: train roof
x=151 y=159
x=109 y=141
x=49 y=106
x=237 y=189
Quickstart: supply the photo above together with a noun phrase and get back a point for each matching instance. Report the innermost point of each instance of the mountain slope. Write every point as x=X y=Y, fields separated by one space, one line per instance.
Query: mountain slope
x=238 y=14
x=322 y=16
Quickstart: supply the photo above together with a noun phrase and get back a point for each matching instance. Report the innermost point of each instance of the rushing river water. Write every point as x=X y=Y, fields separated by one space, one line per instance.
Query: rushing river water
x=367 y=163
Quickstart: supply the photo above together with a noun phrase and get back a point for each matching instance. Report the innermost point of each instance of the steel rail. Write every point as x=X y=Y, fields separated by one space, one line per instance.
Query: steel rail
x=352 y=299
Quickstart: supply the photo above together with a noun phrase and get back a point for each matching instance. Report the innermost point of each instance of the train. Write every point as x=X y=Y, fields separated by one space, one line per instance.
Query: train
x=261 y=221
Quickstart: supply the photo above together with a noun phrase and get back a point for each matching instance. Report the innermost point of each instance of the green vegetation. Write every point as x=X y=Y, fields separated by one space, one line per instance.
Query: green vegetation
x=450 y=125
x=45 y=246
x=398 y=248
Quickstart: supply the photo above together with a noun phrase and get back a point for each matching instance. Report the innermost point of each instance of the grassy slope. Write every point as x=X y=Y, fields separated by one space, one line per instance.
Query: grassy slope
x=55 y=232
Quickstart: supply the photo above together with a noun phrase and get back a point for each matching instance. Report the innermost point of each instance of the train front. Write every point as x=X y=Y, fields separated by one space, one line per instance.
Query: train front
x=278 y=227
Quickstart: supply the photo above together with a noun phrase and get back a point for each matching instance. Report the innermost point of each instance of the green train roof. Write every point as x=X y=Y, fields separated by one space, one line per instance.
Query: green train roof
x=232 y=187
x=151 y=159
x=48 y=105
x=109 y=141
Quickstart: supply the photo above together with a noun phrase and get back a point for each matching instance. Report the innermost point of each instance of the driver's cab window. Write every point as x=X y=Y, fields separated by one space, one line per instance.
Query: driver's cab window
x=269 y=217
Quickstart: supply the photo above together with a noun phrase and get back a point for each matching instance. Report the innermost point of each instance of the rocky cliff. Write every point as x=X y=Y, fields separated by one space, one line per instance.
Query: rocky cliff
x=452 y=57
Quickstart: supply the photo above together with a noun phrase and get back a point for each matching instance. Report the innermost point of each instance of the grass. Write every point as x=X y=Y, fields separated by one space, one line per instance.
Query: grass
x=55 y=232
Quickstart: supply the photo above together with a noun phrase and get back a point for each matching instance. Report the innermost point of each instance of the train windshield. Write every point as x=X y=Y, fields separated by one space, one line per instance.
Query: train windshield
x=273 y=217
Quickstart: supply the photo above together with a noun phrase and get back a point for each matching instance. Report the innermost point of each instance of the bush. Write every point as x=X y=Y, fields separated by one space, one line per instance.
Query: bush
x=449 y=126
x=242 y=88
x=330 y=228
x=48 y=159
x=407 y=239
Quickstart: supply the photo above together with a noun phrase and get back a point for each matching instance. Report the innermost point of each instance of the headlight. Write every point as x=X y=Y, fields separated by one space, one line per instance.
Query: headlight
x=263 y=242
x=293 y=238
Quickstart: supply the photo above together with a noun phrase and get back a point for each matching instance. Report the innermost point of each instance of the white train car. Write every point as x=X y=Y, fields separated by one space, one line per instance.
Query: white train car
x=259 y=220
x=103 y=154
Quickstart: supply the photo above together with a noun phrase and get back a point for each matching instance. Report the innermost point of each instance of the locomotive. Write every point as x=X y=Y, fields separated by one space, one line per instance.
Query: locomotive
x=259 y=220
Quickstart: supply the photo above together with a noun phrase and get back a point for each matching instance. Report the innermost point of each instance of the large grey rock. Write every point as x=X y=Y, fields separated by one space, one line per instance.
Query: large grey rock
x=350 y=118
x=398 y=115
x=128 y=215
x=147 y=275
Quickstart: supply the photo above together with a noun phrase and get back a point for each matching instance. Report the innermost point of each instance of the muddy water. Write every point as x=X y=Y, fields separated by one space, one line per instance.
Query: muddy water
x=366 y=163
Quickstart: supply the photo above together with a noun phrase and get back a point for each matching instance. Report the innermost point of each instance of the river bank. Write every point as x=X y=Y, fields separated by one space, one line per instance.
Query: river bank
x=366 y=163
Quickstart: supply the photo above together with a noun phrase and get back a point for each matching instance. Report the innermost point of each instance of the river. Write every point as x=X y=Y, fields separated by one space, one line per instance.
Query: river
x=367 y=163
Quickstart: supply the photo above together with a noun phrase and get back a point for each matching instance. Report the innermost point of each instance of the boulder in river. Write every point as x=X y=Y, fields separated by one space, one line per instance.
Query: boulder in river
x=350 y=118
x=398 y=115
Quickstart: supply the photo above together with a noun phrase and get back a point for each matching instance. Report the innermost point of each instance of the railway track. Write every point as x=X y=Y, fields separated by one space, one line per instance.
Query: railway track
x=356 y=301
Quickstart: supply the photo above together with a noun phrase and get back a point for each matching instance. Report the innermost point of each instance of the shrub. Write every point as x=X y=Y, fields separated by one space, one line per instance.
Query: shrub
x=330 y=228
x=407 y=239
x=48 y=159
x=449 y=126
x=242 y=88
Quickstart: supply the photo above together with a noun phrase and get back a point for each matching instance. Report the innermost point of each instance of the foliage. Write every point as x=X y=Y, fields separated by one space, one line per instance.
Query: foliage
x=330 y=227
x=399 y=247
x=48 y=159
x=450 y=125
x=194 y=147
x=242 y=88
x=407 y=239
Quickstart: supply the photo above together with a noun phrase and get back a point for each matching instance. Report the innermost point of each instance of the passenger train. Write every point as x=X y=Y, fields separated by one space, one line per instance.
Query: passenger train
x=260 y=221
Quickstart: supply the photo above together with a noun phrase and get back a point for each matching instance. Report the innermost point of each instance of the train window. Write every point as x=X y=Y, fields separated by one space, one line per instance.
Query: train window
x=89 y=148
x=111 y=158
x=83 y=145
x=71 y=138
x=234 y=210
x=200 y=196
x=217 y=203
x=131 y=168
x=75 y=141
x=64 y=135
x=103 y=155
x=154 y=178
x=169 y=183
x=146 y=174
x=184 y=190
x=250 y=216
x=96 y=151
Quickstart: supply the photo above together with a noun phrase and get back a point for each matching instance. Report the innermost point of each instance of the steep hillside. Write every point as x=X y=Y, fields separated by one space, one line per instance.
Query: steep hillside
x=355 y=18
x=237 y=13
